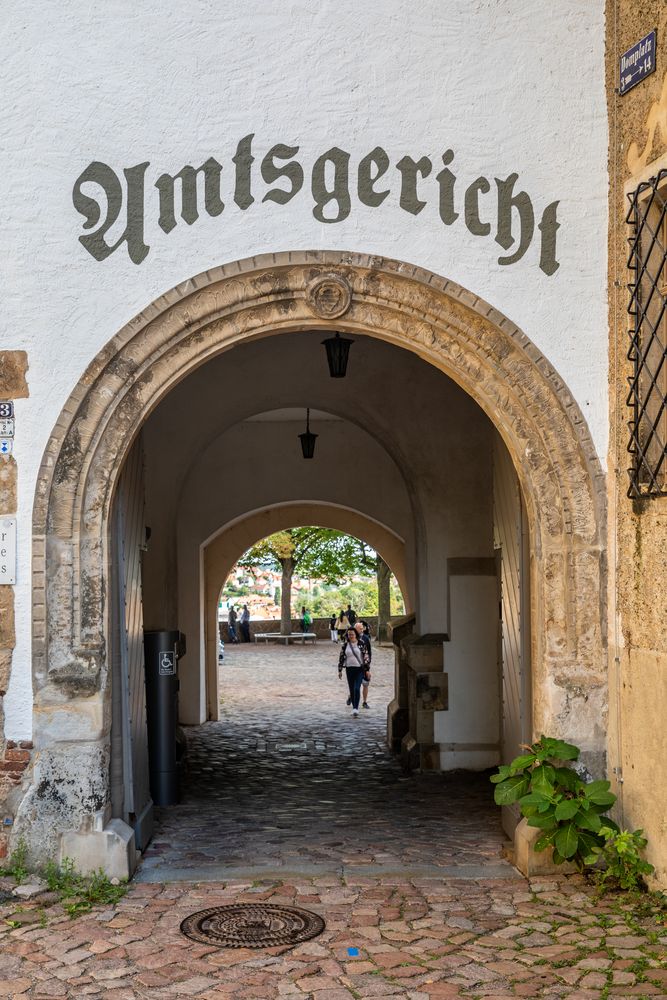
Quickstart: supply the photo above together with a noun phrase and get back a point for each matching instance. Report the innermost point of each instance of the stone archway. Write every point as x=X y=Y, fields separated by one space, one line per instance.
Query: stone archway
x=228 y=545
x=441 y=322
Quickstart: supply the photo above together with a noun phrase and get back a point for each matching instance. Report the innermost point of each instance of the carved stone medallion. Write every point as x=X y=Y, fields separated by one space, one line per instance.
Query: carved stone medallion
x=329 y=296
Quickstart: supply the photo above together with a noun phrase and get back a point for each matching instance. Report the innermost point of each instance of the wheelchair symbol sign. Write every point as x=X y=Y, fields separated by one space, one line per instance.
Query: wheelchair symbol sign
x=167 y=664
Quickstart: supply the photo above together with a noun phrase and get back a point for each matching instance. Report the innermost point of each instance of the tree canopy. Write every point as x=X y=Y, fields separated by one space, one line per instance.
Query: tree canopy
x=315 y=552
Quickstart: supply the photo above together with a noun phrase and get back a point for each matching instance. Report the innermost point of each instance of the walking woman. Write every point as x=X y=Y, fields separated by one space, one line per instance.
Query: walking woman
x=354 y=657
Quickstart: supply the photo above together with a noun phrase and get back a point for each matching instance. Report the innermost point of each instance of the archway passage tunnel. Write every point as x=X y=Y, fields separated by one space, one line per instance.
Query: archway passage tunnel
x=404 y=459
x=450 y=438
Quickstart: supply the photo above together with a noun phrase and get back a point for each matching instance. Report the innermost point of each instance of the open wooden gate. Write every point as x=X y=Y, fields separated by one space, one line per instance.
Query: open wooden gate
x=130 y=792
x=511 y=540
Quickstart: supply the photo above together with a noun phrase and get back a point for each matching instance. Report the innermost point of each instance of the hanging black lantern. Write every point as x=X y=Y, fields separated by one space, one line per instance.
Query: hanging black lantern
x=338 y=349
x=308 y=439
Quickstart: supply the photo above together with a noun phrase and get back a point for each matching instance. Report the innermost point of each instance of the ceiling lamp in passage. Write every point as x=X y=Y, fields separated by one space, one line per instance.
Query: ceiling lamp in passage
x=308 y=439
x=338 y=349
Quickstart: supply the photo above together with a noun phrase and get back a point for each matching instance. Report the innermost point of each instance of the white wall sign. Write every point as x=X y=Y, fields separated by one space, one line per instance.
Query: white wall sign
x=7 y=550
x=6 y=445
x=7 y=427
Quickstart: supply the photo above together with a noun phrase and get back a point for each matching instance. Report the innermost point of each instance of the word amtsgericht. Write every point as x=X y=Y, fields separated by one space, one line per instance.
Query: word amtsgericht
x=506 y=212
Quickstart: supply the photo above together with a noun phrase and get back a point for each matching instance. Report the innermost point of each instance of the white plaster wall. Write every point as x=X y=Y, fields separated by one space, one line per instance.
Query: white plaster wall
x=471 y=661
x=509 y=85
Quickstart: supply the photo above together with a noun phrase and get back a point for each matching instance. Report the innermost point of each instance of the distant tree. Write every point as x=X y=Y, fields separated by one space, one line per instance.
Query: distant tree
x=331 y=557
x=312 y=551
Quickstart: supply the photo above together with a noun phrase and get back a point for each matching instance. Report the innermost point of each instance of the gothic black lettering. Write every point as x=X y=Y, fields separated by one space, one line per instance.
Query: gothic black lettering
x=104 y=201
x=293 y=171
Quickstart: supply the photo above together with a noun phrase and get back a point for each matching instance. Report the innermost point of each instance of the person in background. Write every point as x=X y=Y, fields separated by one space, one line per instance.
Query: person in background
x=333 y=631
x=354 y=658
x=351 y=615
x=364 y=636
x=342 y=625
x=362 y=629
x=232 y=619
x=245 y=624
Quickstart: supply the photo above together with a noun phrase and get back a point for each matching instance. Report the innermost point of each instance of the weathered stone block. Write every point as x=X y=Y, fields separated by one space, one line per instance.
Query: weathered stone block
x=111 y=848
x=8 y=485
x=13 y=368
x=532 y=862
x=7 y=632
x=5 y=669
x=425 y=656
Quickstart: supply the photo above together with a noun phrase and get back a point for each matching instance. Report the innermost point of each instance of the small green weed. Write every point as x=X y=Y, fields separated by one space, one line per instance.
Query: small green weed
x=17 y=863
x=79 y=893
x=624 y=867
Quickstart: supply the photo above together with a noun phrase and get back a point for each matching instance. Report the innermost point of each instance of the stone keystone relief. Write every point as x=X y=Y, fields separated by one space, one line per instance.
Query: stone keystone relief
x=134 y=201
x=329 y=296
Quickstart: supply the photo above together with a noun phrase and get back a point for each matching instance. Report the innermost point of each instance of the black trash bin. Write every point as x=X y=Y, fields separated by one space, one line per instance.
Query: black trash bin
x=162 y=650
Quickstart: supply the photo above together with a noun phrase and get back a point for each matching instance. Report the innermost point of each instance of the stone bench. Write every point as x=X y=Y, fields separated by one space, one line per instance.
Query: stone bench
x=277 y=637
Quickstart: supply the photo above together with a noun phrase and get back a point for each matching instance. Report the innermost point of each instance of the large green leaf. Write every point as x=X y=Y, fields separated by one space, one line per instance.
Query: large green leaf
x=545 y=840
x=542 y=822
x=590 y=847
x=503 y=772
x=542 y=779
x=535 y=799
x=605 y=799
x=568 y=778
x=588 y=819
x=511 y=789
x=567 y=809
x=567 y=840
x=562 y=751
x=519 y=763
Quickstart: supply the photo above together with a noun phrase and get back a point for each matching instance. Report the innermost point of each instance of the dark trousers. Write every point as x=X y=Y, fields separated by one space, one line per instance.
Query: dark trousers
x=355 y=677
x=245 y=631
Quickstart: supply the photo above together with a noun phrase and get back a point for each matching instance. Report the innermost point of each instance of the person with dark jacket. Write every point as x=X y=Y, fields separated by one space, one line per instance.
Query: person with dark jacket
x=363 y=631
x=354 y=660
x=351 y=615
x=245 y=623
x=364 y=638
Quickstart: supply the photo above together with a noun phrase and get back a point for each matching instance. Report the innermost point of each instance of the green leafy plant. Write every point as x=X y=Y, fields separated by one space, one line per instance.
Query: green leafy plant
x=79 y=893
x=17 y=866
x=556 y=800
x=624 y=867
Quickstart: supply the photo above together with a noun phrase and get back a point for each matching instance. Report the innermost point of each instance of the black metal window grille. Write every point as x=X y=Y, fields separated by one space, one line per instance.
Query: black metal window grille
x=647 y=398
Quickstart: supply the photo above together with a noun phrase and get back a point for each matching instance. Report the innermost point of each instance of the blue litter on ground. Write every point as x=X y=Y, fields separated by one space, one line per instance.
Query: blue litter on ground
x=353 y=952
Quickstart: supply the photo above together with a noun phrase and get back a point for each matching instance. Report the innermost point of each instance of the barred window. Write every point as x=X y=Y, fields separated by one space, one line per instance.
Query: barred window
x=647 y=398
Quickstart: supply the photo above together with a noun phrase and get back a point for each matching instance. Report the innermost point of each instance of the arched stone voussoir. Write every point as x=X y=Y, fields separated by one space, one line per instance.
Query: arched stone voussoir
x=444 y=324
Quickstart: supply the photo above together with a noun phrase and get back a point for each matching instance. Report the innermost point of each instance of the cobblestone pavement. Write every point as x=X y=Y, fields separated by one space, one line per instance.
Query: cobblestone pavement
x=417 y=939
x=288 y=780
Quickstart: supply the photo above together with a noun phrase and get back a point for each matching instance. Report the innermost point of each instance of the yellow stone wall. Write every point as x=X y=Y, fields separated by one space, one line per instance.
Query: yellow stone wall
x=637 y=530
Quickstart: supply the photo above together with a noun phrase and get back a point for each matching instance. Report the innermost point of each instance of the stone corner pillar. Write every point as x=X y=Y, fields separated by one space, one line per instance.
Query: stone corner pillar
x=427 y=694
x=532 y=862
x=107 y=844
x=401 y=634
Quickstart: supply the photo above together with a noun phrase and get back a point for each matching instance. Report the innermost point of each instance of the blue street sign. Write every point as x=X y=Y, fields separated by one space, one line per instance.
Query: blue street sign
x=637 y=63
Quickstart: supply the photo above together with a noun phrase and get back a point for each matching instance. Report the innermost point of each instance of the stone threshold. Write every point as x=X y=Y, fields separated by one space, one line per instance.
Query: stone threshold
x=226 y=873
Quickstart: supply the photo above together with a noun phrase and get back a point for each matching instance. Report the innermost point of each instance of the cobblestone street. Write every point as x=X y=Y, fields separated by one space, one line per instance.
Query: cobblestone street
x=289 y=800
x=289 y=781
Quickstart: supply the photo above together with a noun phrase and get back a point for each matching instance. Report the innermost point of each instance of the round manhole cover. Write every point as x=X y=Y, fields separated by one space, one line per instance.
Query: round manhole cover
x=252 y=925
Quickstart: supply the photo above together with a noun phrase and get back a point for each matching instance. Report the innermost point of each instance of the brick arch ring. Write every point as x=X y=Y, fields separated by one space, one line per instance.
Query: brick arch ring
x=447 y=326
